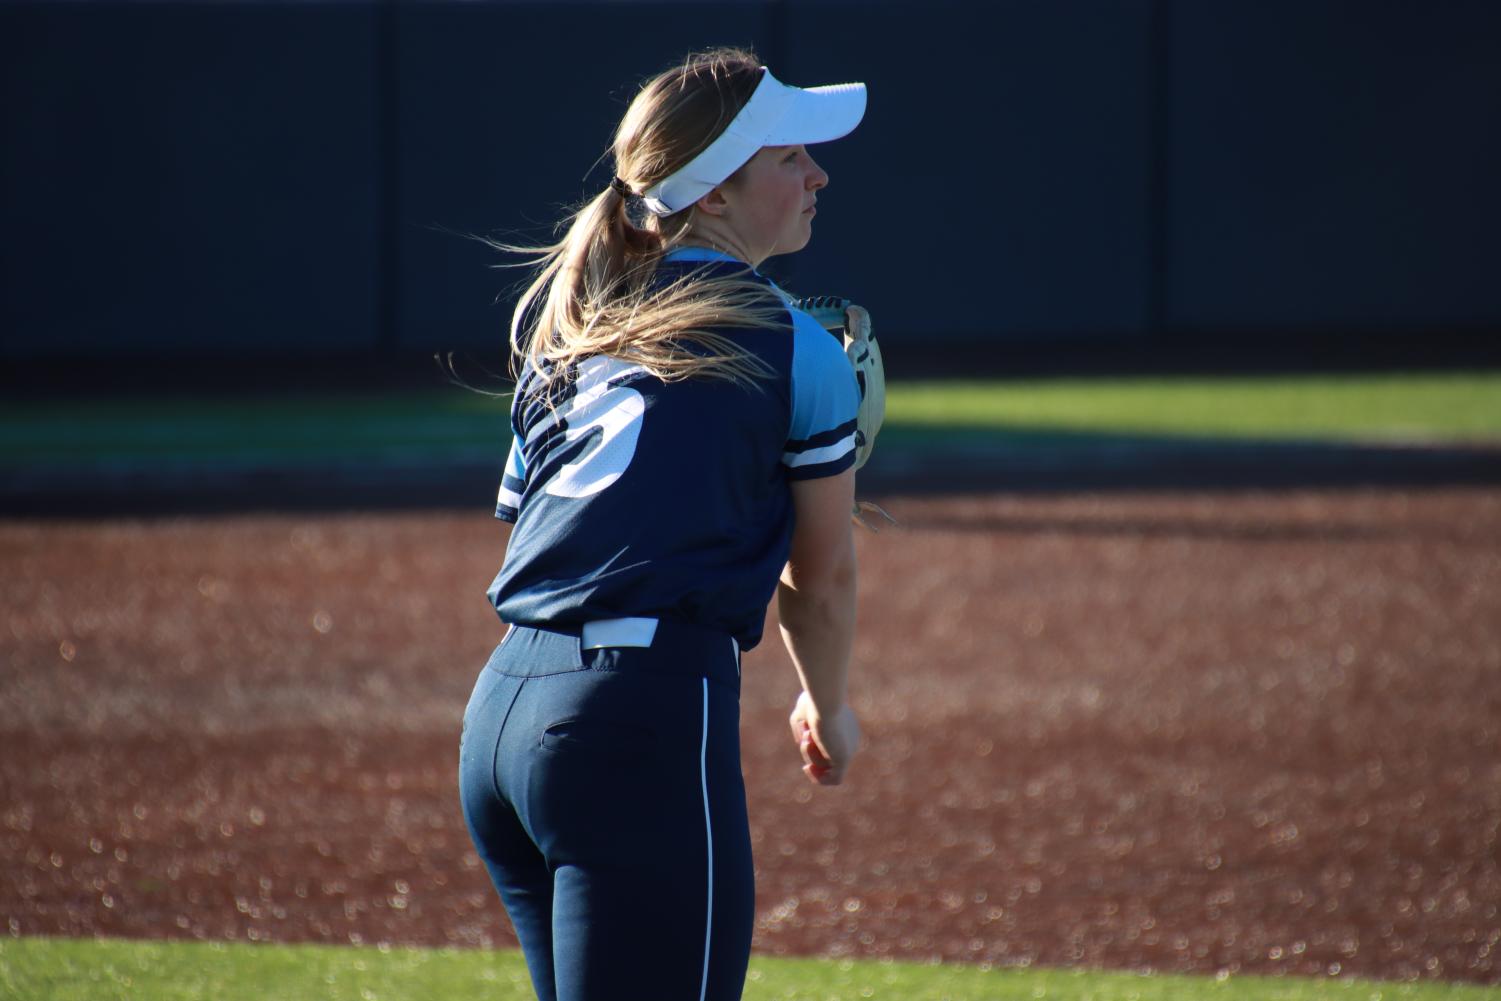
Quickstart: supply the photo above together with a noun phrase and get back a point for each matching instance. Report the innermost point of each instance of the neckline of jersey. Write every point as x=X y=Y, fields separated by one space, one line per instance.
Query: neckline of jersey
x=701 y=254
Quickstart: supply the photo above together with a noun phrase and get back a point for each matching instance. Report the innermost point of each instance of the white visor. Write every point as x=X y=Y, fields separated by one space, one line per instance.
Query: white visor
x=776 y=115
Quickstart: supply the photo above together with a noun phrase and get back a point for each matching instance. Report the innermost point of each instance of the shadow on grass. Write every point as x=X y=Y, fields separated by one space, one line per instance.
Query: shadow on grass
x=907 y=460
x=953 y=459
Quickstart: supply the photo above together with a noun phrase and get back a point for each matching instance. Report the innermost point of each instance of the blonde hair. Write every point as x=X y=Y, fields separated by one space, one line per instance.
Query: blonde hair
x=596 y=291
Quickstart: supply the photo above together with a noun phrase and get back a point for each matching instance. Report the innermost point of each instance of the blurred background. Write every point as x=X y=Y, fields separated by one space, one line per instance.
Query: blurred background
x=1140 y=183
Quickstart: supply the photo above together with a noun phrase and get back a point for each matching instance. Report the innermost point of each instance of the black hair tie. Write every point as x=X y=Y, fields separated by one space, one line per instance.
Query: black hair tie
x=621 y=188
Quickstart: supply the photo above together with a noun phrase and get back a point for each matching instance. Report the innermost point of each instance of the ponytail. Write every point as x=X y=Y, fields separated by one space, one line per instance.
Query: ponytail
x=595 y=291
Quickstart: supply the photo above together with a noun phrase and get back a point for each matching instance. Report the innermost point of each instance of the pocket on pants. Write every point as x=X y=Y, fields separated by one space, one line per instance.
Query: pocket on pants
x=598 y=735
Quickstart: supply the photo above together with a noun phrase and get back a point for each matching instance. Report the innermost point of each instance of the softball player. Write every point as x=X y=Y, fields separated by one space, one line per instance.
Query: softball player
x=684 y=443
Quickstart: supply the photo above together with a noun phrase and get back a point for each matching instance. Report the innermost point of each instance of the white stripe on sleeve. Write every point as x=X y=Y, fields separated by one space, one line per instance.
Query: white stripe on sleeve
x=828 y=453
x=508 y=498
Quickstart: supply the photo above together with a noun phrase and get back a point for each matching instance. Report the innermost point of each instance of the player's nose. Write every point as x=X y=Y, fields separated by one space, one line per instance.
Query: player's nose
x=817 y=176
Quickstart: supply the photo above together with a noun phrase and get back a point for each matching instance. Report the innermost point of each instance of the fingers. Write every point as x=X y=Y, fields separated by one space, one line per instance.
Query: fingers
x=813 y=754
x=817 y=765
x=822 y=776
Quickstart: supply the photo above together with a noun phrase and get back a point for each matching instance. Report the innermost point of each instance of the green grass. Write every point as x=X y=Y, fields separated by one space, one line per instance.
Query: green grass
x=426 y=424
x=41 y=969
x=1447 y=408
x=1443 y=407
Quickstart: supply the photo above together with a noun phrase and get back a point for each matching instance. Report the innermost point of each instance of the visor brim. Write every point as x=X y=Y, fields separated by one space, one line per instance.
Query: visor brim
x=819 y=114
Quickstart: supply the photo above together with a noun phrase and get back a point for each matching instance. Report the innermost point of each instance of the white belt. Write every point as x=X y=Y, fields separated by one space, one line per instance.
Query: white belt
x=631 y=631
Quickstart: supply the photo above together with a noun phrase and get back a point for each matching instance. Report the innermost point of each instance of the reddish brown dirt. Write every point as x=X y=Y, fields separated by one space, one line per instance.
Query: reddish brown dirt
x=1256 y=732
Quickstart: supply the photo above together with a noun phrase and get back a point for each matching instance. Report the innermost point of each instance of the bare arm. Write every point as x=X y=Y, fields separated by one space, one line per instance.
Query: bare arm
x=816 y=605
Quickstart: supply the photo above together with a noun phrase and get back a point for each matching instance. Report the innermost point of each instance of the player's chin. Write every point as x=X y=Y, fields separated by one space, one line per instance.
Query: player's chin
x=800 y=236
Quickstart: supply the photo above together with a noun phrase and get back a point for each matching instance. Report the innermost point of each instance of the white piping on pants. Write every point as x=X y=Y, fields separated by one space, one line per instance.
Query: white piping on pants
x=703 y=775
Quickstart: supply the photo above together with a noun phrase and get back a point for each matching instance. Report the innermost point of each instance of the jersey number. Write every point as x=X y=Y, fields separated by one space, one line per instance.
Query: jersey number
x=614 y=413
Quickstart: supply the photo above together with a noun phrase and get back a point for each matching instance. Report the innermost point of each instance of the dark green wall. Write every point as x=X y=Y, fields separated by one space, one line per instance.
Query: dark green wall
x=238 y=178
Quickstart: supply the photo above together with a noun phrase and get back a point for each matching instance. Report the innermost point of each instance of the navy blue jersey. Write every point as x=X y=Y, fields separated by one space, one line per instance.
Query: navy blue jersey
x=638 y=497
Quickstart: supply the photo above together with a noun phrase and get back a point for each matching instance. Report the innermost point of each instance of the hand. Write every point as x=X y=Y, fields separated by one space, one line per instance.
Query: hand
x=827 y=743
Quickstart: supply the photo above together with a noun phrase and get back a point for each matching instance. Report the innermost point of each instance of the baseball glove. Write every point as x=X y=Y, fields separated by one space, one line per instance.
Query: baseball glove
x=851 y=324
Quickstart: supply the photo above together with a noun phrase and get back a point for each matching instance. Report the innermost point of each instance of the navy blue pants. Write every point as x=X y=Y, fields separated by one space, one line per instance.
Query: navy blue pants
x=603 y=792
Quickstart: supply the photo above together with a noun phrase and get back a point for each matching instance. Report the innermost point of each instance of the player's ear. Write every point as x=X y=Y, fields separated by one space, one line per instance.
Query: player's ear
x=714 y=203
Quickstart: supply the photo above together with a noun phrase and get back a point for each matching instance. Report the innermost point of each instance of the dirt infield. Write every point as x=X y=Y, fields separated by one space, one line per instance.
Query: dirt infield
x=1202 y=732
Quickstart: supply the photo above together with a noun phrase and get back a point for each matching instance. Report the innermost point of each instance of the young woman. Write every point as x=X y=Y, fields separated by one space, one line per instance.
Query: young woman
x=683 y=452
